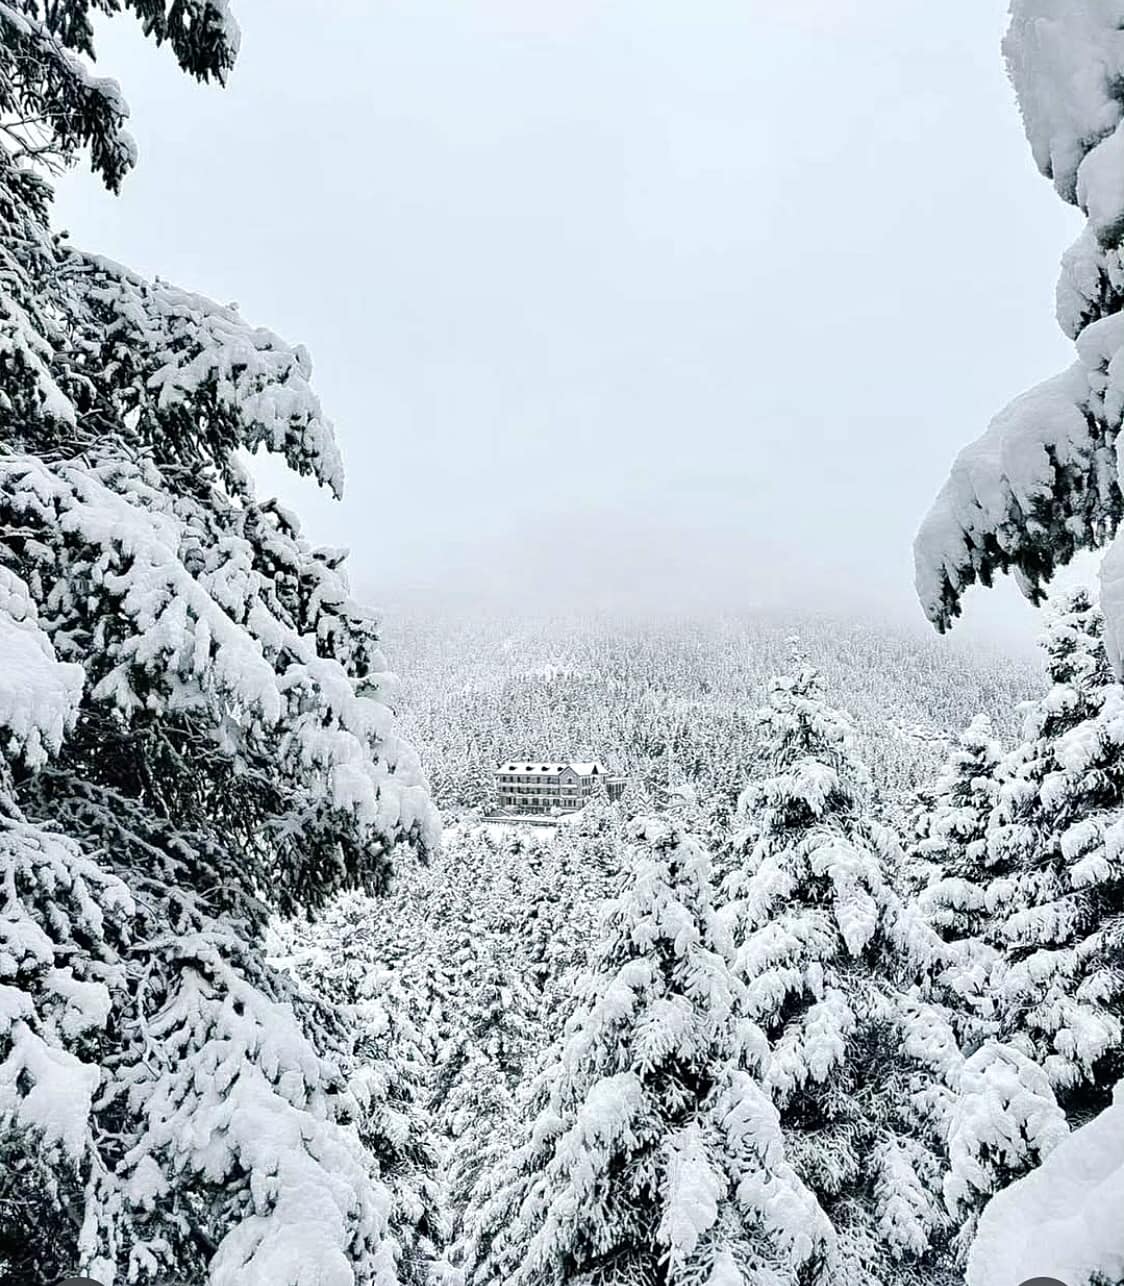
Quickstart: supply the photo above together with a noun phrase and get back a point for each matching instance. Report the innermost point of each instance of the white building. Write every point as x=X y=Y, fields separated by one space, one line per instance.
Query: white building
x=528 y=787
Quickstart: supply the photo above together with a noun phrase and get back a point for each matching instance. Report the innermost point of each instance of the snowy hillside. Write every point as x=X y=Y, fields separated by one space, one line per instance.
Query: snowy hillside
x=659 y=697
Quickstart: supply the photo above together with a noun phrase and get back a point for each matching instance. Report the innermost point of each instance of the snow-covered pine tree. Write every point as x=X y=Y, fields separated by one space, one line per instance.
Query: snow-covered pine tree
x=944 y=883
x=1056 y=843
x=635 y=800
x=197 y=729
x=495 y=1018
x=481 y=1070
x=650 y=1153
x=1049 y=919
x=339 y=955
x=1042 y=483
x=948 y=863
x=856 y=1066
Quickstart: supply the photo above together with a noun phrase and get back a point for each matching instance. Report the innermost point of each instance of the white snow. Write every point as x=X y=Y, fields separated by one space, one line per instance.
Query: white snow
x=1004 y=1107
x=1065 y=58
x=692 y=1194
x=39 y=694
x=48 y=1091
x=995 y=481
x=1065 y=1219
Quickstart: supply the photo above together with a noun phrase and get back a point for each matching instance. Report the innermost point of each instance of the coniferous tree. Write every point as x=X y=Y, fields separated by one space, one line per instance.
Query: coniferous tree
x=1056 y=841
x=340 y=958
x=1045 y=1012
x=480 y=1074
x=945 y=882
x=197 y=730
x=949 y=863
x=855 y=1066
x=650 y=1153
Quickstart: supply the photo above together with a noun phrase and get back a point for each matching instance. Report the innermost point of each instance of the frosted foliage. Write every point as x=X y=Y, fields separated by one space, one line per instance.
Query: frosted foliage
x=197 y=627
x=1056 y=852
x=1064 y=1219
x=1037 y=487
x=822 y=937
x=39 y=695
x=266 y=1134
x=648 y=1137
x=224 y=1096
x=1005 y=1120
x=183 y=346
x=47 y=48
x=481 y=1068
x=196 y=729
x=1042 y=483
x=54 y=1002
x=1066 y=58
x=947 y=872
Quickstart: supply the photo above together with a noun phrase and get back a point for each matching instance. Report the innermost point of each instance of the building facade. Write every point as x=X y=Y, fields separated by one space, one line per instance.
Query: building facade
x=533 y=788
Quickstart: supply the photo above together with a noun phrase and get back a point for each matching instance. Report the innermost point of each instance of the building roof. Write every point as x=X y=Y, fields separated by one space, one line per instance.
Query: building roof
x=525 y=769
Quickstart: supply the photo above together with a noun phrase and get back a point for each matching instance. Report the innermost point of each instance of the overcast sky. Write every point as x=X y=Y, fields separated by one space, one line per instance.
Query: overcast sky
x=657 y=302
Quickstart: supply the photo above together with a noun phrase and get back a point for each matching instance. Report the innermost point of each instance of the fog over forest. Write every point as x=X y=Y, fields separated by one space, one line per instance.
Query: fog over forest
x=615 y=307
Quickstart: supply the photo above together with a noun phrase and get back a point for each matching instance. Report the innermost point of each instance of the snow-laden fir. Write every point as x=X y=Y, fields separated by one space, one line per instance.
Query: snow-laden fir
x=823 y=945
x=651 y=1147
x=198 y=732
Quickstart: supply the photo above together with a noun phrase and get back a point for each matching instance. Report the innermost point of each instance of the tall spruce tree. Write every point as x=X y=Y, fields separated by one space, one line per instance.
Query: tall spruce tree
x=650 y=1153
x=197 y=730
x=339 y=955
x=945 y=880
x=1056 y=841
x=856 y=1065
x=481 y=1071
x=1044 y=1014
x=949 y=862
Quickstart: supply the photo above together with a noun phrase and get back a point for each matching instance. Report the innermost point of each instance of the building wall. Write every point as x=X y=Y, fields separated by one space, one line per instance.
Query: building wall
x=541 y=792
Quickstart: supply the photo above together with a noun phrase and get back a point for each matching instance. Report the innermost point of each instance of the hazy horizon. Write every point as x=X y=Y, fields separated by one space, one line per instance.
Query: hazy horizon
x=619 y=306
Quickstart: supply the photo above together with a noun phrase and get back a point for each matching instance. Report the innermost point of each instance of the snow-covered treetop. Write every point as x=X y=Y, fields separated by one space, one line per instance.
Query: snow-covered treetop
x=976 y=751
x=950 y=853
x=1073 y=643
x=1079 y=673
x=809 y=749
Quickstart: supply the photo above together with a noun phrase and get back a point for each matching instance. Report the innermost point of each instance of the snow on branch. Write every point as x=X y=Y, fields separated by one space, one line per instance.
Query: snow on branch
x=1043 y=483
x=39 y=694
x=1064 y=1219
